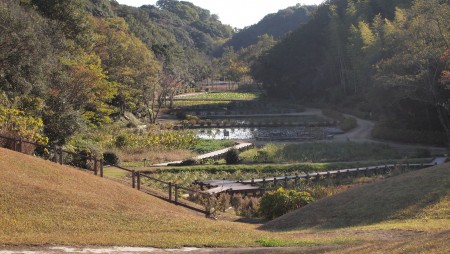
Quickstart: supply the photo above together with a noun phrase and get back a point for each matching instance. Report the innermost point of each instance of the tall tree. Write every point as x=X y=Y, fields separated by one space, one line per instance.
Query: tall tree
x=413 y=69
x=129 y=63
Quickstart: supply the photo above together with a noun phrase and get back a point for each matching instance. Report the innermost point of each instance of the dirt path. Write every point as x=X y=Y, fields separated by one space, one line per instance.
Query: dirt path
x=141 y=250
x=362 y=133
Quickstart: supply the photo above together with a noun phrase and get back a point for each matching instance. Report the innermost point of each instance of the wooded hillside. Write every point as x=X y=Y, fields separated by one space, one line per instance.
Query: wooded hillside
x=67 y=65
x=274 y=24
x=383 y=59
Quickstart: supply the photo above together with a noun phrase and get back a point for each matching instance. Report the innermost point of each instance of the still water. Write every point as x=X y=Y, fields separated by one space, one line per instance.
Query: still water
x=261 y=132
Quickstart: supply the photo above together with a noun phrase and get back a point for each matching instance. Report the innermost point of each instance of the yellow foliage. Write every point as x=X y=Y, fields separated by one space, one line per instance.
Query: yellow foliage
x=14 y=122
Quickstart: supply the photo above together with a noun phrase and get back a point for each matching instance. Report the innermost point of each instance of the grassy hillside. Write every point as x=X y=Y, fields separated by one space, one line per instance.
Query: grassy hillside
x=44 y=203
x=421 y=196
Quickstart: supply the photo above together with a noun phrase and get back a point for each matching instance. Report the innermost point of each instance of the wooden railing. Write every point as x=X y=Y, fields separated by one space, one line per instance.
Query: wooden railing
x=96 y=166
x=54 y=153
x=173 y=190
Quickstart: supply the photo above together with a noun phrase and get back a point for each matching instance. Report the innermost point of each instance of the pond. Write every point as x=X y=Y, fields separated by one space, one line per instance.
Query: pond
x=255 y=119
x=273 y=133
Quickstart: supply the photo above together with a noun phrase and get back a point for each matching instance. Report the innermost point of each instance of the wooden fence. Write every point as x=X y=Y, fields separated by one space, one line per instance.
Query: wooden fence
x=172 y=193
x=54 y=153
x=96 y=166
x=261 y=185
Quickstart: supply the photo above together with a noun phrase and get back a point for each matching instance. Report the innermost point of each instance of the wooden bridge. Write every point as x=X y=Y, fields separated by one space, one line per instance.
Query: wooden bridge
x=256 y=185
x=212 y=155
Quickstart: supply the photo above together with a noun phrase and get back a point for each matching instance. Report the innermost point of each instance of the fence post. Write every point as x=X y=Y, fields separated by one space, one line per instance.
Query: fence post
x=296 y=180
x=176 y=193
x=285 y=181
x=15 y=145
x=274 y=182
x=55 y=154
x=208 y=206
x=138 y=180
x=170 y=191
x=133 y=179
x=60 y=155
x=20 y=145
x=101 y=167
x=264 y=183
x=95 y=166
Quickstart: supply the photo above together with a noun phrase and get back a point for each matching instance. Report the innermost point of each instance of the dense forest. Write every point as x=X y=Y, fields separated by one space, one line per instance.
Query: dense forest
x=274 y=24
x=382 y=59
x=72 y=65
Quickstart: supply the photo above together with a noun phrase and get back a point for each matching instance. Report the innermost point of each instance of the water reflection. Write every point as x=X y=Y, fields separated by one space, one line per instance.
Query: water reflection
x=256 y=132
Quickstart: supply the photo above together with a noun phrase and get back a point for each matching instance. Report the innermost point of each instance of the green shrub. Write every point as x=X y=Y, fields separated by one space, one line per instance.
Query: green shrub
x=121 y=141
x=232 y=156
x=188 y=162
x=333 y=114
x=384 y=131
x=223 y=202
x=345 y=123
x=208 y=145
x=131 y=125
x=111 y=158
x=422 y=153
x=81 y=160
x=348 y=124
x=276 y=203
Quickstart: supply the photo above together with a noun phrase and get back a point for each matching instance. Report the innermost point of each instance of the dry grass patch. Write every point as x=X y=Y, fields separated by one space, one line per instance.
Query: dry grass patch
x=421 y=194
x=44 y=203
x=408 y=213
x=154 y=156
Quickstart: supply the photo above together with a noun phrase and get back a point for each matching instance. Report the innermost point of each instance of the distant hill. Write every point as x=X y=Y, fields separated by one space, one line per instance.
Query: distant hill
x=275 y=24
x=419 y=194
x=46 y=203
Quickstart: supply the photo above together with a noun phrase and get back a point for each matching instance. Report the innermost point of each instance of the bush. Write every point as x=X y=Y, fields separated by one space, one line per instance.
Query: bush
x=111 y=158
x=345 y=123
x=245 y=206
x=188 y=162
x=348 y=124
x=232 y=156
x=276 y=203
x=384 y=131
x=422 y=153
x=131 y=125
x=121 y=141
x=333 y=114
x=81 y=160
x=223 y=202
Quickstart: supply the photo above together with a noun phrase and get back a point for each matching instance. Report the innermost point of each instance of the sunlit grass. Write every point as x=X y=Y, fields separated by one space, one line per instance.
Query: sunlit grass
x=225 y=96
x=44 y=203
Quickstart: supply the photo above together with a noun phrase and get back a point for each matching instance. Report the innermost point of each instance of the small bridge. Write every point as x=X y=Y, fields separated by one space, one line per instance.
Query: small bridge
x=259 y=185
x=212 y=155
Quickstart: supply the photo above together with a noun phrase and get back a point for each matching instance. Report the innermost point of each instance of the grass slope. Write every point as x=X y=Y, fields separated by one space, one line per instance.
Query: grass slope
x=45 y=203
x=419 y=196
